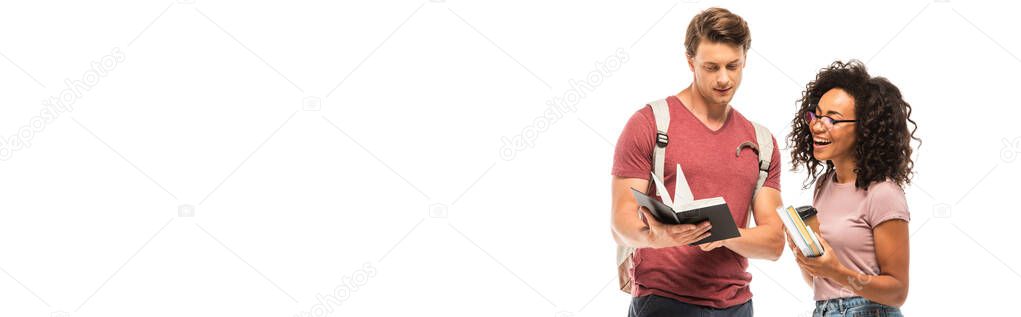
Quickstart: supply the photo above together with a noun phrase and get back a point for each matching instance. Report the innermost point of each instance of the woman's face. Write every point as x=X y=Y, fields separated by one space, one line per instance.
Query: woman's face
x=836 y=141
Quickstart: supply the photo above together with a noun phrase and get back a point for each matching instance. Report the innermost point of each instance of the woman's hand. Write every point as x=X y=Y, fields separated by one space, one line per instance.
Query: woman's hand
x=794 y=249
x=826 y=265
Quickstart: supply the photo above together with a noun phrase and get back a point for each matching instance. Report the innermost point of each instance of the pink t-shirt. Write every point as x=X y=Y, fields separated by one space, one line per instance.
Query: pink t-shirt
x=847 y=216
x=717 y=278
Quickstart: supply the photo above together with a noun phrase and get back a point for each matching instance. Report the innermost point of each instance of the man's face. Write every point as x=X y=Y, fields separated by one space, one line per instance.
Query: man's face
x=717 y=69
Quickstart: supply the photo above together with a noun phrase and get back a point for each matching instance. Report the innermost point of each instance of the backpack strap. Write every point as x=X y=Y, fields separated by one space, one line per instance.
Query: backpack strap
x=764 y=139
x=682 y=191
x=661 y=112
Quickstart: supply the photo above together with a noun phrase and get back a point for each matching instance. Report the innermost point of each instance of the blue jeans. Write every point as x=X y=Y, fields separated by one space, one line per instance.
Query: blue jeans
x=659 y=306
x=853 y=307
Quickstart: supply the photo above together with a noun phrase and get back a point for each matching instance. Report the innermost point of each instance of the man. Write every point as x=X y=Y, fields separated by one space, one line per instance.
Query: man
x=669 y=277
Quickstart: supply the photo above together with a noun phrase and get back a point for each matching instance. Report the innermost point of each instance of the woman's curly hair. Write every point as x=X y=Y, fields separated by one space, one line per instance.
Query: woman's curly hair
x=883 y=147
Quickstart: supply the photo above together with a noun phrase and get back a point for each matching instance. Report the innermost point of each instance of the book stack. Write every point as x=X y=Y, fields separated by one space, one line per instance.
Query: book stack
x=802 y=235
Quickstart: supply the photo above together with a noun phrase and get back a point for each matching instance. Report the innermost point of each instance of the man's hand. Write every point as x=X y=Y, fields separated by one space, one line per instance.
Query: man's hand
x=665 y=236
x=711 y=245
x=644 y=231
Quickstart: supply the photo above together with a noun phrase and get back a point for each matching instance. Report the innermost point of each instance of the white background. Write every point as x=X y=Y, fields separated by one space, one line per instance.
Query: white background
x=207 y=110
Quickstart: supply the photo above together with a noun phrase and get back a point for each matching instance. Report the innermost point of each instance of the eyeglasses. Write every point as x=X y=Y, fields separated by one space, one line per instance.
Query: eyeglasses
x=827 y=121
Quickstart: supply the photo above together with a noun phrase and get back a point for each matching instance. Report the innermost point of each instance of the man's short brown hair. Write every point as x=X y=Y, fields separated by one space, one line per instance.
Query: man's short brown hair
x=717 y=25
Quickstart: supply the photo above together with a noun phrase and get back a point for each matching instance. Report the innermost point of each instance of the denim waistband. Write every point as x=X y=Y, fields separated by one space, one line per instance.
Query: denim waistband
x=843 y=303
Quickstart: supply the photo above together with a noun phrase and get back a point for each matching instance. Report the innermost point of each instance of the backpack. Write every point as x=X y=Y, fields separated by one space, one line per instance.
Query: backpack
x=661 y=112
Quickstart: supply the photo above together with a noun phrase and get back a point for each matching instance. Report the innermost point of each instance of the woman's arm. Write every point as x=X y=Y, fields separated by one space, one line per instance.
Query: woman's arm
x=892 y=253
x=888 y=288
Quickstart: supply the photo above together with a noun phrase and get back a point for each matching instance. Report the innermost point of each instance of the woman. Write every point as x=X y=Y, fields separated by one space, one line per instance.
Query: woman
x=851 y=133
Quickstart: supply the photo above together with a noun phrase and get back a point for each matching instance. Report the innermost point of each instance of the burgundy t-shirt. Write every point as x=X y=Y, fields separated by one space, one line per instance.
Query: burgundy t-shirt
x=717 y=278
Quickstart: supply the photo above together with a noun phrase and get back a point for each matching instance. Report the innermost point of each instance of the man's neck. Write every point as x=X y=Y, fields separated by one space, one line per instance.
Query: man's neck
x=712 y=115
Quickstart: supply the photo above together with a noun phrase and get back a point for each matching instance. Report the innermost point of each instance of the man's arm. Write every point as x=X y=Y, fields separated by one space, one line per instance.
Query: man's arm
x=628 y=229
x=645 y=232
x=765 y=240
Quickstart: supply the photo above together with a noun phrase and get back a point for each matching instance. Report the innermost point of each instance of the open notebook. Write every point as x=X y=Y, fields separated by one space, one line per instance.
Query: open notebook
x=683 y=210
x=802 y=235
